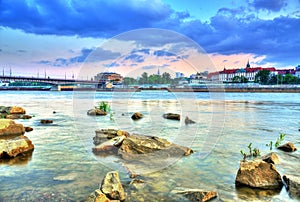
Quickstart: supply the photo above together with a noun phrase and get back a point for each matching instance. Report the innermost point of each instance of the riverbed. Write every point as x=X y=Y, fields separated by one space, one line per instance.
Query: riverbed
x=63 y=167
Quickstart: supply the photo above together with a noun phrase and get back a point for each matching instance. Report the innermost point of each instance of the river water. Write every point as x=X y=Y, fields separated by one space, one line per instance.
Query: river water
x=63 y=167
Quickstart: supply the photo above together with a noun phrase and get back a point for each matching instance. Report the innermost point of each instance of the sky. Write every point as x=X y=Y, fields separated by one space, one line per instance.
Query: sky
x=84 y=37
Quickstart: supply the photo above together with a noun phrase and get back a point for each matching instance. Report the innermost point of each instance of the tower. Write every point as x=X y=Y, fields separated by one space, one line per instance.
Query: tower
x=158 y=72
x=248 y=64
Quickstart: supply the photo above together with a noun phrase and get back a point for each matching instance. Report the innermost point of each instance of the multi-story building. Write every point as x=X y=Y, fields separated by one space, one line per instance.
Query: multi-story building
x=226 y=75
x=109 y=77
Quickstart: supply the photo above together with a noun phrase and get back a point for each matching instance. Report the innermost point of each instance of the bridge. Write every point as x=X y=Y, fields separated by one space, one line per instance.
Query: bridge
x=56 y=83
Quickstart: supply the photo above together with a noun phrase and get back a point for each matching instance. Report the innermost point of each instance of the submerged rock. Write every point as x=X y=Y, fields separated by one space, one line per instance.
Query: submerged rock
x=271 y=158
x=8 y=128
x=135 y=145
x=96 y=112
x=46 y=121
x=258 y=174
x=110 y=145
x=97 y=196
x=197 y=194
x=293 y=185
x=172 y=116
x=137 y=116
x=13 y=147
x=288 y=147
x=111 y=186
x=188 y=121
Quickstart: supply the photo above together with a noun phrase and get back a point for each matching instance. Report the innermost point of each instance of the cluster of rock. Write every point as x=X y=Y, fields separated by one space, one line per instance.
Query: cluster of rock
x=135 y=146
x=262 y=174
x=13 y=112
x=12 y=139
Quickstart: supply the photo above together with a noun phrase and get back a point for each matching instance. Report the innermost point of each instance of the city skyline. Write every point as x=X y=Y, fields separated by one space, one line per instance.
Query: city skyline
x=59 y=37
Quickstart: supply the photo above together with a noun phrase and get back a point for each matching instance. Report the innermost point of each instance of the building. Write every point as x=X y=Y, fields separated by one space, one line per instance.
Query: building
x=226 y=75
x=109 y=77
x=297 y=72
x=198 y=78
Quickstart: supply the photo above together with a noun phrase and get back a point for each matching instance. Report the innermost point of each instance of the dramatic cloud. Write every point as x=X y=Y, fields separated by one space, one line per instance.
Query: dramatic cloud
x=86 y=55
x=271 y=5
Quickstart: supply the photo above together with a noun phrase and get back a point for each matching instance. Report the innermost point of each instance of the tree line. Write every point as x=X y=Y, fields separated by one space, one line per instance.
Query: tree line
x=264 y=77
x=165 y=78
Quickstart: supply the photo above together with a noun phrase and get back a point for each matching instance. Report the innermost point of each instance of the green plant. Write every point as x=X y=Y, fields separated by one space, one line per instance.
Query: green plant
x=244 y=155
x=270 y=145
x=279 y=140
x=256 y=152
x=111 y=116
x=250 y=148
x=104 y=106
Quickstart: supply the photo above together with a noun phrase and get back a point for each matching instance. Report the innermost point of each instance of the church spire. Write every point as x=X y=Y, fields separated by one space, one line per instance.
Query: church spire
x=158 y=72
x=248 y=64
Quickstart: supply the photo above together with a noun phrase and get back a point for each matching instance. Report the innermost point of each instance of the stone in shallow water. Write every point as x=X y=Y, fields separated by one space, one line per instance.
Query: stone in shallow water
x=67 y=177
x=197 y=194
x=288 y=147
x=172 y=116
x=14 y=147
x=111 y=186
x=258 y=174
x=137 y=116
x=271 y=158
x=293 y=185
x=8 y=128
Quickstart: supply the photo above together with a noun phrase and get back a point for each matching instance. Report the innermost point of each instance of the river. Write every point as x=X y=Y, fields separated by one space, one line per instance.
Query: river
x=63 y=167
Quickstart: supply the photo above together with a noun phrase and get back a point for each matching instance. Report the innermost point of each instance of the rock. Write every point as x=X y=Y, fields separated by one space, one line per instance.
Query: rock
x=13 y=116
x=172 y=116
x=110 y=145
x=288 y=147
x=14 y=147
x=54 y=112
x=293 y=185
x=111 y=186
x=140 y=144
x=96 y=112
x=258 y=174
x=8 y=128
x=17 y=110
x=46 y=121
x=25 y=116
x=137 y=116
x=97 y=196
x=103 y=135
x=188 y=121
x=271 y=158
x=28 y=129
x=197 y=194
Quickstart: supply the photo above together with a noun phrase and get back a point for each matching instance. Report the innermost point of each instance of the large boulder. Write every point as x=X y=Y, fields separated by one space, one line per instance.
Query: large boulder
x=136 y=145
x=9 y=129
x=293 y=185
x=197 y=194
x=258 y=174
x=96 y=112
x=288 y=147
x=17 y=110
x=111 y=186
x=172 y=116
x=13 y=147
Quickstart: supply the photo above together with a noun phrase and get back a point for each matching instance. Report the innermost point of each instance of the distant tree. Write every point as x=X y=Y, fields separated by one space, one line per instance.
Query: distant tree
x=262 y=77
x=166 y=78
x=290 y=79
x=236 y=79
x=239 y=79
x=144 y=78
x=273 y=80
x=129 y=81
